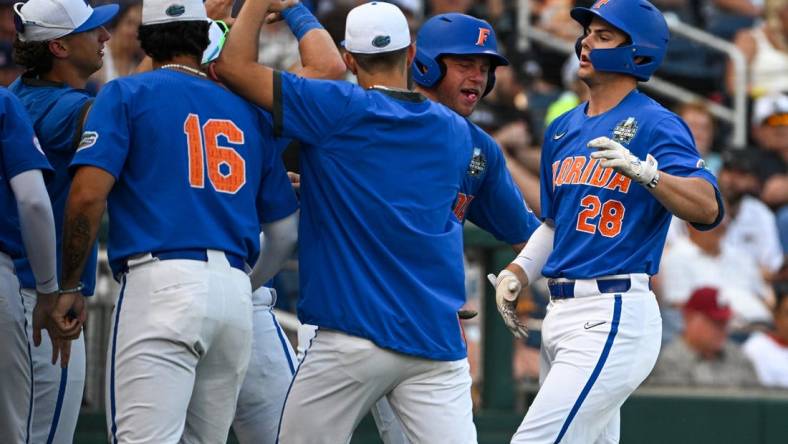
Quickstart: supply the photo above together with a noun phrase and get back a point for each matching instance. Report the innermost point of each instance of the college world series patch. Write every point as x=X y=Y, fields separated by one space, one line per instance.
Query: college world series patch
x=478 y=163
x=625 y=131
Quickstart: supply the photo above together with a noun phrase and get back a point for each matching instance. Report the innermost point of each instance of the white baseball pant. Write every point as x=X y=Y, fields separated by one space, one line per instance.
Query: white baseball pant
x=596 y=350
x=57 y=392
x=271 y=368
x=389 y=426
x=15 y=372
x=342 y=376
x=180 y=345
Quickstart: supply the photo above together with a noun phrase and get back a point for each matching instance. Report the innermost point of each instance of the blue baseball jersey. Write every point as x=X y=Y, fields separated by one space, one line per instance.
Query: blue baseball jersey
x=19 y=152
x=381 y=252
x=489 y=198
x=193 y=165
x=605 y=223
x=57 y=111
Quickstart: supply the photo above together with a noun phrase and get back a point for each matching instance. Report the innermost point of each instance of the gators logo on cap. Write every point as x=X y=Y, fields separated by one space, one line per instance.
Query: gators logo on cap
x=381 y=41
x=175 y=10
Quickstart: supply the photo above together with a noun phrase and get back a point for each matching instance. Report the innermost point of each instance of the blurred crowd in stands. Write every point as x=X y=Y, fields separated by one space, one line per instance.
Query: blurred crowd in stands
x=724 y=292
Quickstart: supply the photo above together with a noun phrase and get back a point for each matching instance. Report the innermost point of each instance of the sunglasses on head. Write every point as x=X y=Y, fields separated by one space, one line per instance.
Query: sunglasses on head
x=20 y=22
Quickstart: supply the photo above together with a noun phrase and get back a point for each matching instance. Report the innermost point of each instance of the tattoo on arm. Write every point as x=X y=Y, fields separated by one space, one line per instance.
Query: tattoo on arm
x=77 y=239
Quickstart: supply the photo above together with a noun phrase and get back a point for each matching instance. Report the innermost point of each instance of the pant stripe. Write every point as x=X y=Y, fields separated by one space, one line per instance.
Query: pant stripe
x=32 y=375
x=113 y=406
x=61 y=393
x=597 y=370
x=281 y=415
x=282 y=340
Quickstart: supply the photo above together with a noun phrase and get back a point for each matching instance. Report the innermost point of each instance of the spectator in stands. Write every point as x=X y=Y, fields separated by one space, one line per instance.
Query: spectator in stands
x=703 y=260
x=444 y=6
x=7 y=30
x=725 y=18
x=752 y=228
x=769 y=351
x=770 y=131
x=765 y=47
x=703 y=356
x=701 y=124
x=122 y=53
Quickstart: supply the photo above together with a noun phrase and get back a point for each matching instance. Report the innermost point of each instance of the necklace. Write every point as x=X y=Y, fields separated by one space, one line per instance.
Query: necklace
x=194 y=71
x=390 y=88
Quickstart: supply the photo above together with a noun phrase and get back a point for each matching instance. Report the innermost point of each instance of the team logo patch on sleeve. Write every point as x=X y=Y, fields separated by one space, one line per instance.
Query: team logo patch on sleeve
x=89 y=139
x=701 y=164
x=625 y=131
x=478 y=163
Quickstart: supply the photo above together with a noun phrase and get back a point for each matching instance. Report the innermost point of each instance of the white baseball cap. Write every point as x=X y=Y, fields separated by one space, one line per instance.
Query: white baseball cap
x=374 y=28
x=155 y=12
x=41 y=20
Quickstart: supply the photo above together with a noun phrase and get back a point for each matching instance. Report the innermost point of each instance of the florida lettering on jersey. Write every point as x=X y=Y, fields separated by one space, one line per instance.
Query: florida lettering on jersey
x=605 y=223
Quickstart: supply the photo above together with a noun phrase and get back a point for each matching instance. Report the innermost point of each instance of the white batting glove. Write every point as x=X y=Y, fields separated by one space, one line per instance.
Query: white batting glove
x=615 y=156
x=507 y=288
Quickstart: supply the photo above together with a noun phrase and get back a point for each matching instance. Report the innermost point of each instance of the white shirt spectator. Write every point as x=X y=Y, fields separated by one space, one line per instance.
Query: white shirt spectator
x=770 y=359
x=754 y=231
x=685 y=268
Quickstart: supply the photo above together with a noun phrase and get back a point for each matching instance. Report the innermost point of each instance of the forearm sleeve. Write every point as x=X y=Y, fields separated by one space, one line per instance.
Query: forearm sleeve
x=535 y=253
x=38 y=227
x=277 y=243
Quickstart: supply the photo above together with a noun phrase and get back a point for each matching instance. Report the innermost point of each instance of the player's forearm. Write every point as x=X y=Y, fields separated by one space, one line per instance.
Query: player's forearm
x=237 y=66
x=38 y=227
x=527 y=266
x=690 y=198
x=319 y=56
x=82 y=219
x=277 y=245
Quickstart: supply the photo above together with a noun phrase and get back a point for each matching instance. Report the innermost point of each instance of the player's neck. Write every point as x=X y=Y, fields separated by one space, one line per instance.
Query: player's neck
x=604 y=96
x=185 y=60
x=389 y=79
x=67 y=74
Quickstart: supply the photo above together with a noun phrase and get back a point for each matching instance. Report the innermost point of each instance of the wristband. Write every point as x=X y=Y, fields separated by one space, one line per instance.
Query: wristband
x=76 y=289
x=300 y=20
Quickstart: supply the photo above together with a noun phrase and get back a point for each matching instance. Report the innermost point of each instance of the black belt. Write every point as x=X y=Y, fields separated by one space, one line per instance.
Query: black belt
x=235 y=260
x=566 y=289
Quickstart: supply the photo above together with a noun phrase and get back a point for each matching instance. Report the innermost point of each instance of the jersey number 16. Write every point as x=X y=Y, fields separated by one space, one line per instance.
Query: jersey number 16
x=226 y=168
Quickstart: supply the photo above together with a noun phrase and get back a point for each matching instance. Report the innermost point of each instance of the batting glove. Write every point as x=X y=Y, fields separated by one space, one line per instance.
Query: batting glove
x=507 y=288
x=615 y=156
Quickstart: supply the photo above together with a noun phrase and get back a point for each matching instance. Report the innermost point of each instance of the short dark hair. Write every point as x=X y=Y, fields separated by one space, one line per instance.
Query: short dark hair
x=35 y=57
x=780 y=293
x=384 y=61
x=164 y=41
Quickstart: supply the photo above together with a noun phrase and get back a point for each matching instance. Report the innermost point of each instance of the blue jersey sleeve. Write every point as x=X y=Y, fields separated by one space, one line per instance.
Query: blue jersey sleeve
x=675 y=151
x=20 y=148
x=276 y=198
x=64 y=120
x=105 y=140
x=498 y=207
x=308 y=109
x=546 y=177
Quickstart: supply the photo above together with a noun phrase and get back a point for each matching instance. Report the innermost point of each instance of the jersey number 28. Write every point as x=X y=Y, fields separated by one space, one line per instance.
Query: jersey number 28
x=609 y=224
x=226 y=168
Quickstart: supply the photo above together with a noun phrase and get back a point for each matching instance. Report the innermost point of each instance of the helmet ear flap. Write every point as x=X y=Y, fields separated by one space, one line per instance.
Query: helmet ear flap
x=427 y=71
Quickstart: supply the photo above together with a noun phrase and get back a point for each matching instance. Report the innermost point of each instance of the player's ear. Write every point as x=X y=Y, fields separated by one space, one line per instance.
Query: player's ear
x=411 y=54
x=58 y=48
x=350 y=62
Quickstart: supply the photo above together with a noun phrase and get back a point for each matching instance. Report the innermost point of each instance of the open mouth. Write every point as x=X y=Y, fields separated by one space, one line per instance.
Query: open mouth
x=471 y=94
x=584 y=59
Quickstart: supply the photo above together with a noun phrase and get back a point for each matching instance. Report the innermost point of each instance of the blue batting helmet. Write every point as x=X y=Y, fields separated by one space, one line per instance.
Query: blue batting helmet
x=453 y=34
x=641 y=22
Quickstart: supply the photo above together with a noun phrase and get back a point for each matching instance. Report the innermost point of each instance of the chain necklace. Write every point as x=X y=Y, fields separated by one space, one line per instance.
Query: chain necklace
x=189 y=69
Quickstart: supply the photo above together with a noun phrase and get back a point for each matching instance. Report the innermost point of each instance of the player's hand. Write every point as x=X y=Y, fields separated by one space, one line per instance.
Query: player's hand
x=507 y=288
x=219 y=10
x=614 y=155
x=275 y=10
x=45 y=303
x=68 y=315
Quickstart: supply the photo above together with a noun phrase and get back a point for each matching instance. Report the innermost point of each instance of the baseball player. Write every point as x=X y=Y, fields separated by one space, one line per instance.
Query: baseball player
x=26 y=224
x=456 y=58
x=188 y=180
x=52 y=47
x=382 y=275
x=613 y=170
